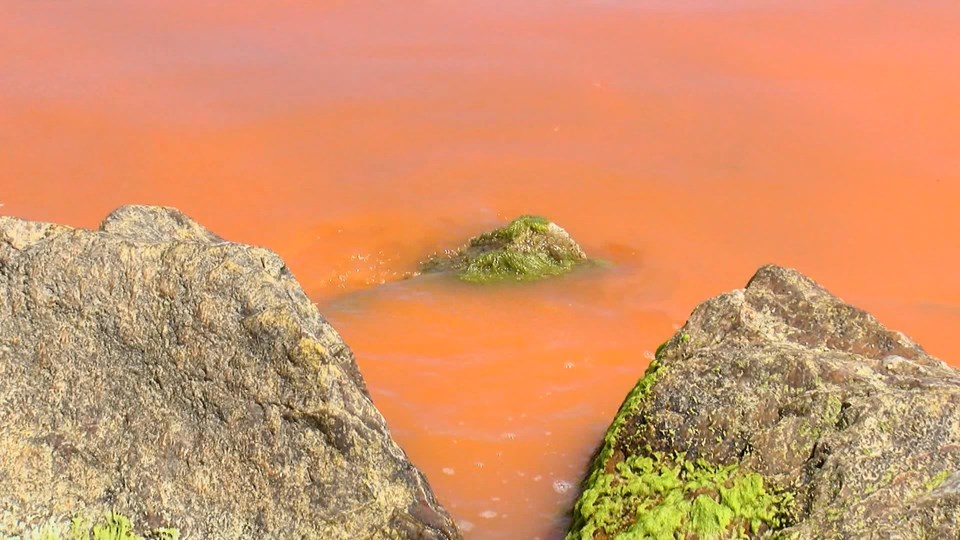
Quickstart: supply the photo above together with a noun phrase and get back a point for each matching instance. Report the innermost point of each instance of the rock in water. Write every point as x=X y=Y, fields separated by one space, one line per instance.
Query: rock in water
x=154 y=369
x=780 y=411
x=528 y=248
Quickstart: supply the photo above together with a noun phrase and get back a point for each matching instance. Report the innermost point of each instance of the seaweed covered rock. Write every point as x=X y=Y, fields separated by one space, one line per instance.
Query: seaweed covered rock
x=152 y=369
x=779 y=411
x=528 y=248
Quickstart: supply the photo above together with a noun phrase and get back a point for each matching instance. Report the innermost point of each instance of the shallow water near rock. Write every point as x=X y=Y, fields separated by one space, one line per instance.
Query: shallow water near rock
x=686 y=145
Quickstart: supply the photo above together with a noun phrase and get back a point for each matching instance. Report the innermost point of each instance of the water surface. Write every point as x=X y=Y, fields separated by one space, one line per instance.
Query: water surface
x=686 y=142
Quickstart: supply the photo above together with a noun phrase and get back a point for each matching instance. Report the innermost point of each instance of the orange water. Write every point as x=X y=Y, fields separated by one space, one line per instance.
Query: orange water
x=687 y=142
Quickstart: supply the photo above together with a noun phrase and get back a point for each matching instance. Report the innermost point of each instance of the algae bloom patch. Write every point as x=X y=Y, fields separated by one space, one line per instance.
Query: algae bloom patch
x=527 y=249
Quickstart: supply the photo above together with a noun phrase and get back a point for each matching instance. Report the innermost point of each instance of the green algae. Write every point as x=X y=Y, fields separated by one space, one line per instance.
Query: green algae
x=528 y=248
x=936 y=481
x=663 y=497
x=515 y=230
x=506 y=264
x=112 y=526
x=652 y=495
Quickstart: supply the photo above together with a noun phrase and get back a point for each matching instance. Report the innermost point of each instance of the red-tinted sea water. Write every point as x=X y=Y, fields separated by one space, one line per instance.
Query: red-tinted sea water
x=685 y=142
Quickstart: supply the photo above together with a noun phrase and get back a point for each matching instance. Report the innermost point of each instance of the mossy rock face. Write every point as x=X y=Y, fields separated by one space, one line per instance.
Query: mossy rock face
x=779 y=411
x=635 y=492
x=155 y=369
x=528 y=248
x=110 y=526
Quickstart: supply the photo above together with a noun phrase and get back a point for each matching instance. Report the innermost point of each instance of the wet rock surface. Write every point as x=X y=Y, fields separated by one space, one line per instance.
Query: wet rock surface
x=154 y=369
x=845 y=428
x=527 y=249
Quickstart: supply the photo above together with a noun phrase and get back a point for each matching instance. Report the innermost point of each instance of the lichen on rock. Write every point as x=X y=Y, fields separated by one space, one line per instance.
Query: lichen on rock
x=794 y=415
x=528 y=248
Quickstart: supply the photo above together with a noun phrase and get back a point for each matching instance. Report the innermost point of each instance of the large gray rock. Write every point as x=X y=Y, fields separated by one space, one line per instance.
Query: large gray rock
x=154 y=369
x=780 y=411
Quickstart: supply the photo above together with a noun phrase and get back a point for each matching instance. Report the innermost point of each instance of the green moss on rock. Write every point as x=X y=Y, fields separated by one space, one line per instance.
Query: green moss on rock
x=526 y=249
x=652 y=495
x=937 y=480
x=111 y=526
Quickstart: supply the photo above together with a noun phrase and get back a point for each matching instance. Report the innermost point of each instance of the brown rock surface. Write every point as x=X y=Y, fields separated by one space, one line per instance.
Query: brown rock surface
x=852 y=421
x=154 y=369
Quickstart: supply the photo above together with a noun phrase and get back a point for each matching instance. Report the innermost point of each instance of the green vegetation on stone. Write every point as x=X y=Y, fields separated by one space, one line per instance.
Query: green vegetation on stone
x=111 y=526
x=655 y=496
x=526 y=249
x=937 y=480
x=506 y=264
x=515 y=230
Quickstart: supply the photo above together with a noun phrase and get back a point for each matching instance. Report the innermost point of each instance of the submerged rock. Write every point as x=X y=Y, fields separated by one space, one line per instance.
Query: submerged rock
x=528 y=248
x=780 y=411
x=154 y=369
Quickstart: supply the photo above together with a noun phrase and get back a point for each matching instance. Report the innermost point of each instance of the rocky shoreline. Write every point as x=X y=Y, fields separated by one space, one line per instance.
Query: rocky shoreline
x=188 y=383
x=153 y=369
x=780 y=411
